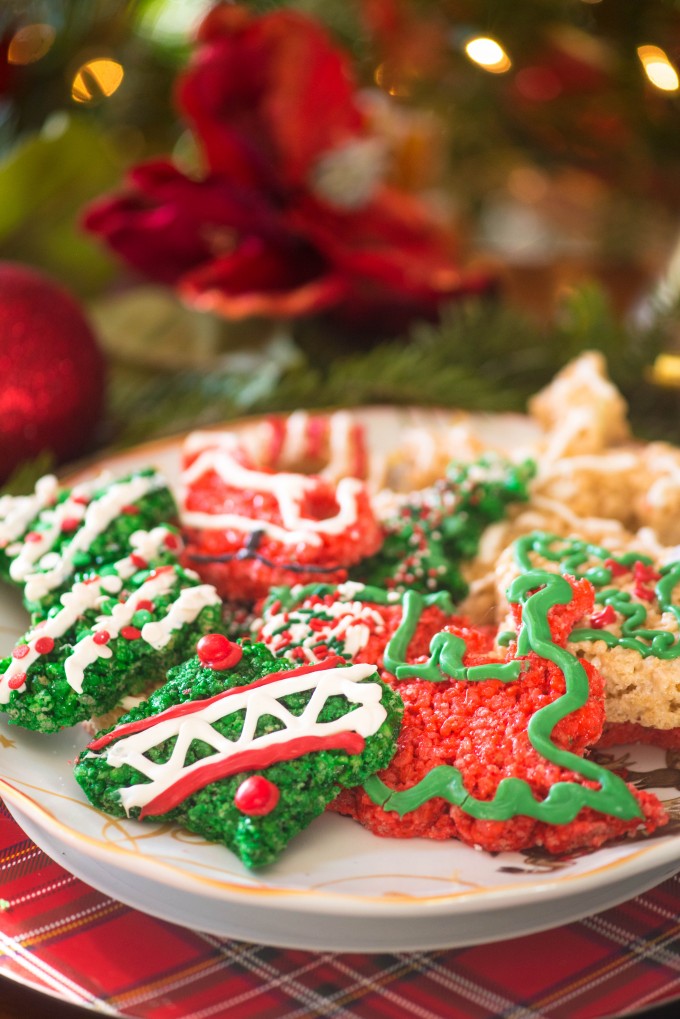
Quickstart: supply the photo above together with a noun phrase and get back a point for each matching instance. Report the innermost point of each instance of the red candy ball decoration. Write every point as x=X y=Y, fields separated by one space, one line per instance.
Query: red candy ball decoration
x=216 y=651
x=257 y=796
x=51 y=370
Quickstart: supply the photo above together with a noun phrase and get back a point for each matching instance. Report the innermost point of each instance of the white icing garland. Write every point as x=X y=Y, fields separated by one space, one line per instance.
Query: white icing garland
x=264 y=700
x=93 y=519
x=87 y=595
x=17 y=511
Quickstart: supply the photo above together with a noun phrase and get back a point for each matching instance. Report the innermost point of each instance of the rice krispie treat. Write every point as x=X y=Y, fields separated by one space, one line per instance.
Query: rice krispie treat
x=632 y=633
x=357 y=622
x=492 y=746
x=241 y=749
x=430 y=533
x=53 y=537
x=249 y=529
x=111 y=635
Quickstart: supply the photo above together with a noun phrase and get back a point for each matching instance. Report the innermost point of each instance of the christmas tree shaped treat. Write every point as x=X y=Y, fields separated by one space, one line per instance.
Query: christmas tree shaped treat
x=243 y=749
x=494 y=747
x=53 y=537
x=432 y=532
x=111 y=635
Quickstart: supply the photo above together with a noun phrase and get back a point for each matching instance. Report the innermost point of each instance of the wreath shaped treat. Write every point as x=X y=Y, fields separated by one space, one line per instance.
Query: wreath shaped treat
x=492 y=749
x=249 y=529
x=111 y=635
x=431 y=533
x=54 y=536
x=242 y=749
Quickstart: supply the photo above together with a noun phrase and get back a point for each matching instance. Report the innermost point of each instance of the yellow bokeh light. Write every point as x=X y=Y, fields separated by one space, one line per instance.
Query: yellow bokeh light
x=489 y=54
x=30 y=43
x=96 y=79
x=658 y=68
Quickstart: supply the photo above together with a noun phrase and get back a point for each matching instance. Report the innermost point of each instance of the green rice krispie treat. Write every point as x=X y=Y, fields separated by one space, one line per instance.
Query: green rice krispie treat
x=431 y=532
x=53 y=537
x=112 y=635
x=243 y=749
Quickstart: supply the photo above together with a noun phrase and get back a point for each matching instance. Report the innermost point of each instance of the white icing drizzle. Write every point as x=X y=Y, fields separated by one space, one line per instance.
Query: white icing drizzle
x=94 y=518
x=183 y=611
x=17 y=511
x=87 y=595
x=289 y=490
x=264 y=700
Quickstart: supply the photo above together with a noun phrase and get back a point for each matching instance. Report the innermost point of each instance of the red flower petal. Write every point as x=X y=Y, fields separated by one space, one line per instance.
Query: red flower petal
x=261 y=280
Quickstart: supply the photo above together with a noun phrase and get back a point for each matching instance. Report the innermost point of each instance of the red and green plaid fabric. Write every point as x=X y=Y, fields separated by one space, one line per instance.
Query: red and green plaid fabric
x=59 y=935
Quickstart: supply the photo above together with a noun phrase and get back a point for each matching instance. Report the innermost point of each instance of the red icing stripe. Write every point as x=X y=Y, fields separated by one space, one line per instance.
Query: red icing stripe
x=189 y=707
x=248 y=760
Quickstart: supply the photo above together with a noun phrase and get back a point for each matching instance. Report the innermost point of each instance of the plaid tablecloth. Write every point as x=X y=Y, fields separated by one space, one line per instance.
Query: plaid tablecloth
x=60 y=935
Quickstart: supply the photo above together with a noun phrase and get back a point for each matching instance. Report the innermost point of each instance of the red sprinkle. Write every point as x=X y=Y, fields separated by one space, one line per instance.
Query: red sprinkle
x=82 y=500
x=20 y=651
x=130 y=633
x=129 y=510
x=70 y=524
x=171 y=541
x=102 y=637
x=138 y=561
x=33 y=536
x=216 y=651
x=257 y=796
x=617 y=569
x=44 y=645
x=16 y=681
x=601 y=619
x=145 y=606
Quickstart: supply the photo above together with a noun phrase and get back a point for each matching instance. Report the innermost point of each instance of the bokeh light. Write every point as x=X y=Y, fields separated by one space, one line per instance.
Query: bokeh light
x=489 y=54
x=658 y=68
x=30 y=43
x=96 y=79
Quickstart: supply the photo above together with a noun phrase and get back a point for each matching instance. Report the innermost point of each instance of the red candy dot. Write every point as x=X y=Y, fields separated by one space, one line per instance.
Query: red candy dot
x=256 y=796
x=20 y=651
x=216 y=651
x=138 y=561
x=102 y=637
x=69 y=524
x=33 y=536
x=130 y=633
x=82 y=500
x=129 y=510
x=144 y=605
x=601 y=619
x=44 y=645
x=171 y=541
x=16 y=681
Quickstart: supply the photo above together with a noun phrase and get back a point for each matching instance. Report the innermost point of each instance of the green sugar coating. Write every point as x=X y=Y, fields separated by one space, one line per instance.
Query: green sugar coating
x=154 y=507
x=48 y=703
x=306 y=784
x=434 y=531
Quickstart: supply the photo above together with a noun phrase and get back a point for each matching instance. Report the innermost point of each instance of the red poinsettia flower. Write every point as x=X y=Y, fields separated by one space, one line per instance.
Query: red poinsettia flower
x=291 y=215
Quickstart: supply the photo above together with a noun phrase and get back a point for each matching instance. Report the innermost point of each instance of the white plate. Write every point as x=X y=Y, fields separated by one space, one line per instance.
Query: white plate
x=337 y=886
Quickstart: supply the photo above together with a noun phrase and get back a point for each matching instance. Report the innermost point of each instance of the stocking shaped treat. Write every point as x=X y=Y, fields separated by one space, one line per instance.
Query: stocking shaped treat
x=492 y=749
x=241 y=749
x=249 y=528
x=111 y=635
x=430 y=533
x=53 y=537
x=632 y=634
x=355 y=621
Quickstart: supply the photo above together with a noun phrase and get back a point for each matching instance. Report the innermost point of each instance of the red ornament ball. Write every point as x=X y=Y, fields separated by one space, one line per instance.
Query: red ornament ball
x=216 y=651
x=257 y=796
x=51 y=370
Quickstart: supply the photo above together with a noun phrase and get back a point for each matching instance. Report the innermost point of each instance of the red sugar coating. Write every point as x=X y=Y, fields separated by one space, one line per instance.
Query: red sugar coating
x=481 y=729
x=617 y=733
x=247 y=579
